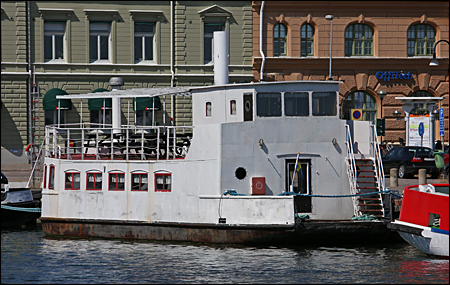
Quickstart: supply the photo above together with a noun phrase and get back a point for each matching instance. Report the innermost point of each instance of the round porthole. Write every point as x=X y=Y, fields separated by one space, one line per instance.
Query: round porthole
x=248 y=105
x=240 y=173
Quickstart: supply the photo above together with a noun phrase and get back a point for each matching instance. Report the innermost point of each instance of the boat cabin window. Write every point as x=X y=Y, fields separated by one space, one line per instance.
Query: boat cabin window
x=45 y=176
x=51 y=177
x=163 y=182
x=268 y=104
x=233 y=107
x=324 y=103
x=116 y=182
x=72 y=181
x=208 y=109
x=94 y=181
x=296 y=103
x=139 y=182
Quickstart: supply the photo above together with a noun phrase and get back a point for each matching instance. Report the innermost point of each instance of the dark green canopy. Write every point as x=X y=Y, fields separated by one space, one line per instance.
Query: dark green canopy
x=97 y=103
x=51 y=103
x=146 y=103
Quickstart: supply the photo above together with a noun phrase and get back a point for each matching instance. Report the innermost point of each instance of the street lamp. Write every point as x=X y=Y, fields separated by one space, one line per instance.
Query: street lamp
x=397 y=114
x=381 y=94
x=330 y=18
x=434 y=61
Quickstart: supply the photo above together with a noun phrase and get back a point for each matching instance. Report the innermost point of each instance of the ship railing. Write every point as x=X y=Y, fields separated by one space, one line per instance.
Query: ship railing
x=351 y=170
x=88 y=141
x=378 y=163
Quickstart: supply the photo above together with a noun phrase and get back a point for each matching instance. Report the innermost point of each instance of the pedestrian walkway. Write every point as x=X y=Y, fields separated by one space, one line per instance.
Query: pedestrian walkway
x=403 y=182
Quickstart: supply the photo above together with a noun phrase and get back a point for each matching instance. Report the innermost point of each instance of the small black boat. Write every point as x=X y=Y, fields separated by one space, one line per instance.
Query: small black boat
x=18 y=206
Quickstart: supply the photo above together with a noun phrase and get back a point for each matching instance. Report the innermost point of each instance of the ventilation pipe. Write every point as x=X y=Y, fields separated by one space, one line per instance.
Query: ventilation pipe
x=261 y=40
x=221 y=58
x=116 y=83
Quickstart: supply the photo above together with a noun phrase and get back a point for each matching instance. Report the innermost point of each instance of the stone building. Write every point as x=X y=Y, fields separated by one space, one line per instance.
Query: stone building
x=376 y=46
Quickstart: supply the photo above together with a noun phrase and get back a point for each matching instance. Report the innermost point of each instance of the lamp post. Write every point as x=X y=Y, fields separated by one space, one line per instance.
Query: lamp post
x=330 y=18
x=434 y=61
x=381 y=94
x=396 y=114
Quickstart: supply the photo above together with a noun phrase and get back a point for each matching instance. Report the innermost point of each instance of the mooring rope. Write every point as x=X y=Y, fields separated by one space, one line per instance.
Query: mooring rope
x=31 y=210
x=234 y=193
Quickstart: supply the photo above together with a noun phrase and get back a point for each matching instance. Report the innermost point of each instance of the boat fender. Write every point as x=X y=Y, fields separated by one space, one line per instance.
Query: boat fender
x=427 y=188
x=28 y=147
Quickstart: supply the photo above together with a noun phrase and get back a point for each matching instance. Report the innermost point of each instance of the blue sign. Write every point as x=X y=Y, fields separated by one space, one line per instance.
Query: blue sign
x=421 y=129
x=441 y=122
x=388 y=75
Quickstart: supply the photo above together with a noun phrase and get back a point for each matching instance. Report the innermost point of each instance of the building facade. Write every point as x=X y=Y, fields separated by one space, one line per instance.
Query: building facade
x=376 y=46
x=69 y=47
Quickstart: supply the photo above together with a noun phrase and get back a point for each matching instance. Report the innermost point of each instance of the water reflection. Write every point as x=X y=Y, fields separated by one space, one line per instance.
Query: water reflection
x=29 y=257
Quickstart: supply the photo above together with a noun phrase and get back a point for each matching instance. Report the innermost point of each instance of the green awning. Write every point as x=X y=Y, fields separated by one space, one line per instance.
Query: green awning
x=146 y=103
x=51 y=103
x=97 y=103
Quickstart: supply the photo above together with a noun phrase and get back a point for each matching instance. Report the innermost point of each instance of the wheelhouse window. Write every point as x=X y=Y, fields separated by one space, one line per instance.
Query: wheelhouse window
x=208 y=39
x=421 y=40
x=54 y=36
x=208 y=109
x=268 y=104
x=144 y=40
x=360 y=100
x=279 y=40
x=358 y=40
x=116 y=182
x=139 y=182
x=296 y=103
x=99 y=37
x=72 y=181
x=163 y=182
x=233 y=107
x=307 y=40
x=51 y=177
x=94 y=181
x=324 y=103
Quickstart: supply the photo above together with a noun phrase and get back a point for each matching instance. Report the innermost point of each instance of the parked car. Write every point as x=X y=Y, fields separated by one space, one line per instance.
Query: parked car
x=409 y=159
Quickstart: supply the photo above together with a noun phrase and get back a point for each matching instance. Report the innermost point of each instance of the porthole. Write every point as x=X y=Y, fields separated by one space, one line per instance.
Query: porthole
x=248 y=105
x=240 y=173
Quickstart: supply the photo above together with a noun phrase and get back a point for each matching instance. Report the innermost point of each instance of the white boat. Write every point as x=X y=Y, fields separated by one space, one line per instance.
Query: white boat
x=424 y=218
x=228 y=178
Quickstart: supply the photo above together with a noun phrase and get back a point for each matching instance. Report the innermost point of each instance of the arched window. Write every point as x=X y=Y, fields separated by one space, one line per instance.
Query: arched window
x=421 y=39
x=420 y=108
x=279 y=40
x=360 y=100
x=307 y=40
x=358 y=40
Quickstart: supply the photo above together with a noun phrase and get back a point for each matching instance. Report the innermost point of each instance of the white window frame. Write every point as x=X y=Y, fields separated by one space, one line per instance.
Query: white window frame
x=143 y=35
x=54 y=33
x=99 y=34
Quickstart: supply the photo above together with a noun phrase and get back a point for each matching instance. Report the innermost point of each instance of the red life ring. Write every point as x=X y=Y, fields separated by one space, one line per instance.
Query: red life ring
x=28 y=147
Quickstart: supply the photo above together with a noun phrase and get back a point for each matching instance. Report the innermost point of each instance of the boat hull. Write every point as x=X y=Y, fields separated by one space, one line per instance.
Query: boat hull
x=311 y=232
x=17 y=219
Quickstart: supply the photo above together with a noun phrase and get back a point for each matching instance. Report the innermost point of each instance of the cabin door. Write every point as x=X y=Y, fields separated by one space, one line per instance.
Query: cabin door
x=301 y=184
x=248 y=106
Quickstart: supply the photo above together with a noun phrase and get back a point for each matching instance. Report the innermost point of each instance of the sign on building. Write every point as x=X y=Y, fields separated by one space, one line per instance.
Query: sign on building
x=415 y=138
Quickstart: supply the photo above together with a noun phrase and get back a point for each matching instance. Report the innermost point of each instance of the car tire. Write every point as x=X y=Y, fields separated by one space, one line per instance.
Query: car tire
x=401 y=171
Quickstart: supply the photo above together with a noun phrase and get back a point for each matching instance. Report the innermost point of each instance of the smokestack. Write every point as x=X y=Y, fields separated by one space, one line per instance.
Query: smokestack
x=221 y=58
x=116 y=83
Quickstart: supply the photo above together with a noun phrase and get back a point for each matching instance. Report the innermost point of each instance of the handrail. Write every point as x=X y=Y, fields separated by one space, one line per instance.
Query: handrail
x=351 y=170
x=378 y=164
x=35 y=163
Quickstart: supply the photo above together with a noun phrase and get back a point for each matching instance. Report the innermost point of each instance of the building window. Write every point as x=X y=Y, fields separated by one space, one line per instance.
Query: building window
x=307 y=40
x=268 y=104
x=279 y=40
x=45 y=176
x=208 y=109
x=144 y=39
x=233 y=107
x=144 y=118
x=296 y=103
x=51 y=177
x=420 y=108
x=54 y=37
x=52 y=117
x=116 y=182
x=421 y=40
x=99 y=37
x=324 y=104
x=139 y=182
x=72 y=181
x=360 y=100
x=94 y=181
x=163 y=182
x=208 y=41
x=99 y=118
x=358 y=40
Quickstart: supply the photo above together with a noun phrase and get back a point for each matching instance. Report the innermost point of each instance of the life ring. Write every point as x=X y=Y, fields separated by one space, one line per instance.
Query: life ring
x=28 y=147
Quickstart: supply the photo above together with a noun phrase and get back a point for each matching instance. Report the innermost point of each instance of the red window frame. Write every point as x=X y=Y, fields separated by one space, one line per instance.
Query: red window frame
x=87 y=181
x=72 y=184
x=45 y=176
x=117 y=181
x=164 y=175
x=140 y=184
x=51 y=177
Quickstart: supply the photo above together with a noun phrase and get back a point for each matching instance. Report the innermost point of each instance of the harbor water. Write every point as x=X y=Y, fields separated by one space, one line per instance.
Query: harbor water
x=30 y=257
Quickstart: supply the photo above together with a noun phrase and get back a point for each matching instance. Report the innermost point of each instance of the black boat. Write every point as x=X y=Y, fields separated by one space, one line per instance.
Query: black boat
x=18 y=206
